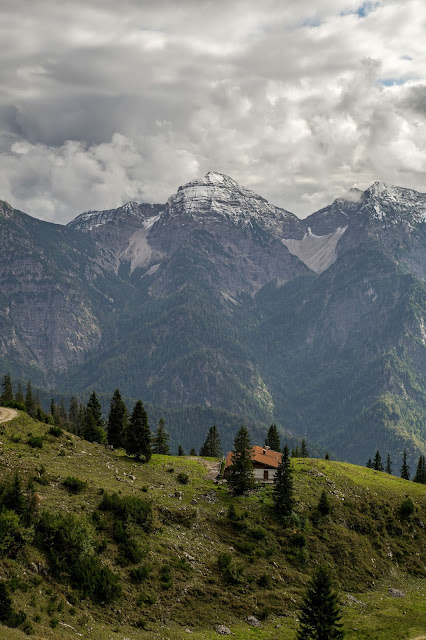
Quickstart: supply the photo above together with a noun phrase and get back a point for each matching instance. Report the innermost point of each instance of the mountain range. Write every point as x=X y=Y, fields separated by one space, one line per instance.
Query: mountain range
x=218 y=306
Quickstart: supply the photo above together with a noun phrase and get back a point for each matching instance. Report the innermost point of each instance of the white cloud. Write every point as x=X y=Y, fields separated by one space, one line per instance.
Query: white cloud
x=103 y=102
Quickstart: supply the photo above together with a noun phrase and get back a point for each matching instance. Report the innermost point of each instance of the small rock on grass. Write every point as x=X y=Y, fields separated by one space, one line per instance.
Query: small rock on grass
x=222 y=630
x=253 y=621
x=396 y=593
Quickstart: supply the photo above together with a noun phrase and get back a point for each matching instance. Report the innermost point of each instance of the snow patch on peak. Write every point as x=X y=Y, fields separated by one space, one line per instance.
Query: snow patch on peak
x=217 y=196
x=395 y=205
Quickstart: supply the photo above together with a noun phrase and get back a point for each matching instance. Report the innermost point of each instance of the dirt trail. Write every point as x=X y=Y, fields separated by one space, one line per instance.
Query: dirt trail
x=212 y=467
x=7 y=414
x=419 y=638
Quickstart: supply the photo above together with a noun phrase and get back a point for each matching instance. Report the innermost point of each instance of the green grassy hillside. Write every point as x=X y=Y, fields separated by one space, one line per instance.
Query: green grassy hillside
x=188 y=562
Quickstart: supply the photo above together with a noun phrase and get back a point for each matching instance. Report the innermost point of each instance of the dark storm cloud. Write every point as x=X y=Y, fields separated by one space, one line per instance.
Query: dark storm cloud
x=103 y=102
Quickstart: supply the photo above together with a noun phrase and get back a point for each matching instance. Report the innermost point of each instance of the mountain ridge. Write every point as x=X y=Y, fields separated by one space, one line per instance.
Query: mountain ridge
x=221 y=300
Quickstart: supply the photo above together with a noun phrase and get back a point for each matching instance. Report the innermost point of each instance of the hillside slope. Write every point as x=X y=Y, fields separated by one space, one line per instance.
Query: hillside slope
x=198 y=563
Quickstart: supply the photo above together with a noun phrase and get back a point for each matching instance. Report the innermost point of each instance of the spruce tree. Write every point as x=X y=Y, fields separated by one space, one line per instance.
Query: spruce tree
x=304 y=449
x=324 y=506
x=327 y=456
x=193 y=452
x=117 y=421
x=388 y=464
x=14 y=498
x=29 y=400
x=295 y=453
x=241 y=474
x=370 y=464
x=272 y=438
x=95 y=407
x=421 y=471
x=180 y=451
x=283 y=486
x=320 y=612
x=7 y=397
x=212 y=447
x=73 y=412
x=405 y=469
x=161 y=439
x=377 y=462
x=138 y=436
x=91 y=430
x=19 y=397
x=6 y=609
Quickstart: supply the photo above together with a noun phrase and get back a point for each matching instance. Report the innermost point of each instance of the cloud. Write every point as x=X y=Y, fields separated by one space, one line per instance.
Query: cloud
x=104 y=102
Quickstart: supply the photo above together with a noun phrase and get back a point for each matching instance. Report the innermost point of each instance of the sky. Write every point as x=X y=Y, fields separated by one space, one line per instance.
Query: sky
x=102 y=102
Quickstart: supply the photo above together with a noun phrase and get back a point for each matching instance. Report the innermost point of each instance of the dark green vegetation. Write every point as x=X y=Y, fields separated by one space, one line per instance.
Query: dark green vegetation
x=138 y=553
x=320 y=616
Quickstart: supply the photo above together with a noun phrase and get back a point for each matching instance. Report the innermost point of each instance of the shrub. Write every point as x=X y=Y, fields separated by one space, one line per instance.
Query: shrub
x=55 y=431
x=141 y=623
x=264 y=581
x=182 y=478
x=54 y=623
x=258 y=533
x=36 y=442
x=129 y=508
x=139 y=574
x=406 y=509
x=74 y=485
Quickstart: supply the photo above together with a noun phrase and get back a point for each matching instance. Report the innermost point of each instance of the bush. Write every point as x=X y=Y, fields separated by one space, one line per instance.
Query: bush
x=55 y=431
x=36 y=442
x=74 y=485
x=264 y=581
x=182 y=478
x=139 y=574
x=129 y=509
x=406 y=509
x=258 y=533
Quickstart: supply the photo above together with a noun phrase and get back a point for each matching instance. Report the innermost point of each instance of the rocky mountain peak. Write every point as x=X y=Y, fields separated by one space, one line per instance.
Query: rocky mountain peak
x=394 y=205
x=217 y=196
x=90 y=220
x=6 y=211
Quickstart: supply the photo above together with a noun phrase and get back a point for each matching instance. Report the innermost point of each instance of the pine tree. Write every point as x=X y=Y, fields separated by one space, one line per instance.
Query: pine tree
x=327 y=456
x=377 y=462
x=388 y=464
x=117 y=421
x=241 y=474
x=19 y=397
x=283 y=486
x=138 y=436
x=14 y=498
x=95 y=407
x=324 y=506
x=193 y=452
x=161 y=439
x=272 y=438
x=405 y=469
x=370 y=464
x=29 y=400
x=73 y=412
x=91 y=430
x=421 y=471
x=180 y=451
x=295 y=453
x=304 y=449
x=212 y=447
x=6 y=609
x=7 y=396
x=320 y=613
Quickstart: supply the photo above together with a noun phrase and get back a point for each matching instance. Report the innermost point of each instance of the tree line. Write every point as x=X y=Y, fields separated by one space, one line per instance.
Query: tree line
x=405 y=471
x=121 y=429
